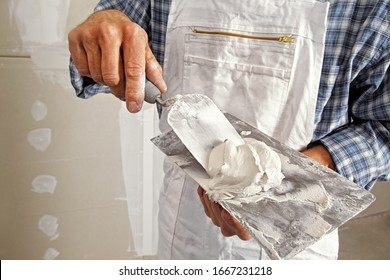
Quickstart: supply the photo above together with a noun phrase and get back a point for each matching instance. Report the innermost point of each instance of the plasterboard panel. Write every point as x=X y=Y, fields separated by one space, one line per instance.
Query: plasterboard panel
x=99 y=233
x=11 y=43
x=84 y=157
x=28 y=24
x=6 y=206
x=79 y=128
x=78 y=11
x=77 y=184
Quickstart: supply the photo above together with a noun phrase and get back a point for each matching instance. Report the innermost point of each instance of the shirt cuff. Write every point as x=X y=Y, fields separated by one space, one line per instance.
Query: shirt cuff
x=357 y=154
x=85 y=87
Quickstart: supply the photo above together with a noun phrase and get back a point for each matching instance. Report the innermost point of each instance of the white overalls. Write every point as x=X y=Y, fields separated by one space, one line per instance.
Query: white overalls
x=227 y=50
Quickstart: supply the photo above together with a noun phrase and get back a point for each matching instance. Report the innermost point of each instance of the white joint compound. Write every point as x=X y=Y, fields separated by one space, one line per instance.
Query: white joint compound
x=48 y=224
x=40 y=138
x=38 y=110
x=243 y=170
x=44 y=184
x=249 y=171
x=51 y=254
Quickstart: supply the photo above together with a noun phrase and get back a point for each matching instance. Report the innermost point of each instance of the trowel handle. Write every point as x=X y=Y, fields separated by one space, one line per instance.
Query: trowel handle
x=153 y=94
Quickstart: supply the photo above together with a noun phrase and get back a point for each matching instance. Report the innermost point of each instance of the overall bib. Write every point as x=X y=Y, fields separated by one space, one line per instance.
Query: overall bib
x=259 y=61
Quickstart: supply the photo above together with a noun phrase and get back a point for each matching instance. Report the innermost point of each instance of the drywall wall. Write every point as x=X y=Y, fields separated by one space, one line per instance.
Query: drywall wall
x=75 y=175
x=65 y=191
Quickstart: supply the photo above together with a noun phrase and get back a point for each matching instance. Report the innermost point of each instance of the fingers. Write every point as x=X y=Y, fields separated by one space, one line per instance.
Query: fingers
x=213 y=210
x=78 y=53
x=234 y=226
x=112 y=62
x=114 y=51
x=138 y=62
x=134 y=51
x=94 y=54
x=154 y=71
x=95 y=47
x=201 y=194
x=220 y=217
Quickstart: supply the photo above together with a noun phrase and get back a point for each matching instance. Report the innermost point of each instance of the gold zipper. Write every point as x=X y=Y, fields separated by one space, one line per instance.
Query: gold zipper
x=283 y=39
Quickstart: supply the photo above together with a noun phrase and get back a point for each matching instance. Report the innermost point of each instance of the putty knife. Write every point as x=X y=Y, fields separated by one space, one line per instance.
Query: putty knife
x=283 y=226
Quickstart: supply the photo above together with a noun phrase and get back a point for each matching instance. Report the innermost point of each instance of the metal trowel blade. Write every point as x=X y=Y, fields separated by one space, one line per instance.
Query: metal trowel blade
x=200 y=125
x=283 y=227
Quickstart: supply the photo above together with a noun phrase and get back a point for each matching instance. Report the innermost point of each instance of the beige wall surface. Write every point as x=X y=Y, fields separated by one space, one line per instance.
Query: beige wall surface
x=83 y=159
x=381 y=191
x=62 y=193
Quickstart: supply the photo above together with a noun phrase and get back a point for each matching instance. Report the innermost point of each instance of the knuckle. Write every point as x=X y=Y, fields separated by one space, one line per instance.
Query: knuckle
x=81 y=65
x=110 y=79
x=119 y=95
x=215 y=222
x=134 y=32
x=229 y=220
x=153 y=66
x=97 y=77
x=142 y=34
x=84 y=71
x=109 y=33
x=134 y=70
x=72 y=36
x=89 y=38
x=226 y=232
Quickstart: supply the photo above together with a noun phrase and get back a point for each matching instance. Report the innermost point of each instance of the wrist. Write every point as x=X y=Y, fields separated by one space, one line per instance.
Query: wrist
x=320 y=154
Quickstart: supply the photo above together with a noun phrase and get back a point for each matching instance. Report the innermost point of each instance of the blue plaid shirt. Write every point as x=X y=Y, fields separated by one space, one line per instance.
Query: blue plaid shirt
x=353 y=108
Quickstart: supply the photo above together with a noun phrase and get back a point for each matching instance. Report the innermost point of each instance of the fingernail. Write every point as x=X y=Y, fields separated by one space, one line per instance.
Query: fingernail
x=133 y=107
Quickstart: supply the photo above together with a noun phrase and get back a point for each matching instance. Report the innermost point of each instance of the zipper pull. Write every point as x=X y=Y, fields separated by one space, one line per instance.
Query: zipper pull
x=286 y=39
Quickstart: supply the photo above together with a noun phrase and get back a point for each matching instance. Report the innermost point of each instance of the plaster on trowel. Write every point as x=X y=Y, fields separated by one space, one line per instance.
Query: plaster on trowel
x=285 y=219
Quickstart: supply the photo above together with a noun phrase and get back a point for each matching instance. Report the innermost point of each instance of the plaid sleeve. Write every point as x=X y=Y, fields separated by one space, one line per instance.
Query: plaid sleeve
x=85 y=87
x=139 y=12
x=361 y=151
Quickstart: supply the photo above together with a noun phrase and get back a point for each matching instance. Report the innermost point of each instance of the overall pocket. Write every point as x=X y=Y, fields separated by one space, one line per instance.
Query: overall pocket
x=241 y=72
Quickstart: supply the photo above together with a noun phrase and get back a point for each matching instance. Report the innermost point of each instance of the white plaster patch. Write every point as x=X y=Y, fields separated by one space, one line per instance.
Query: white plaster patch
x=48 y=224
x=51 y=254
x=38 y=110
x=41 y=25
x=40 y=138
x=44 y=184
x=40 y=21
x=51 y=63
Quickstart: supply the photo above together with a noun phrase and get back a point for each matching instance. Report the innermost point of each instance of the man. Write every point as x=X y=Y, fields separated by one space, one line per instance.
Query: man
x=347 y=122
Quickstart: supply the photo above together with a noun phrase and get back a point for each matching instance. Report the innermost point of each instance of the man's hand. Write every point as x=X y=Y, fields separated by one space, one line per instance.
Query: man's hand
x=229 y=225
x=112 y=50
x=320 y=154
x=221 y=218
